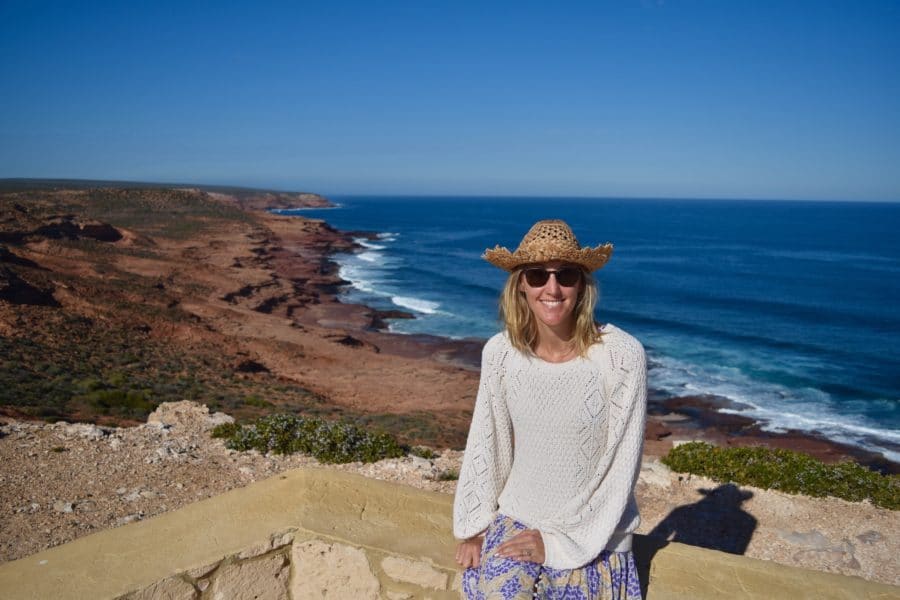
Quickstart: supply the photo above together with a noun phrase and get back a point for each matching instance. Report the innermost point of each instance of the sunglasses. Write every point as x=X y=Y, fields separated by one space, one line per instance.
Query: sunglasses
x=539 y=276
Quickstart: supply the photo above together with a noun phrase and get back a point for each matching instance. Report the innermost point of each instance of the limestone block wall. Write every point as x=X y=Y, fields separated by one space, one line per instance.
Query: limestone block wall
x=296 y=564
x=319 y=533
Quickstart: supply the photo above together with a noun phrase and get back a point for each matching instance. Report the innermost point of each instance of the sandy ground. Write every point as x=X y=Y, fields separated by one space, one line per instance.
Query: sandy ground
x=62 y=481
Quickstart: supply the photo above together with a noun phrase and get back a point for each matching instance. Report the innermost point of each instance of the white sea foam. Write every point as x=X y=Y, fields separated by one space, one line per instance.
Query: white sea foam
x=369 y=271
x=777 y=408
x=371 y=257
x=354 y=275
x=417 y=304
x=367 y=244
x=885 y=441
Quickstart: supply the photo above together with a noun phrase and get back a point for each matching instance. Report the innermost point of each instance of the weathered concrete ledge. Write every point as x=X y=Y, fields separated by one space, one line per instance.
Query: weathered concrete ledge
x=314 y=533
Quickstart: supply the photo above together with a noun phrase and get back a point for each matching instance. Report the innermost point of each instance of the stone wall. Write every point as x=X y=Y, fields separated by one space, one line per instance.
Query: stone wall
x=296 y=564
x=319 y=533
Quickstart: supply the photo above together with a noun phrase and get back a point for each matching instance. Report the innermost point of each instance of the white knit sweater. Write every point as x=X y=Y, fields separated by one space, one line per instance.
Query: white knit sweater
x=570 y=472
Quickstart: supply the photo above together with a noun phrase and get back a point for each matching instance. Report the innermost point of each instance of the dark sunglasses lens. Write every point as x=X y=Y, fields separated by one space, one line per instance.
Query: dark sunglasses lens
x=568 y=277
x=536 y=277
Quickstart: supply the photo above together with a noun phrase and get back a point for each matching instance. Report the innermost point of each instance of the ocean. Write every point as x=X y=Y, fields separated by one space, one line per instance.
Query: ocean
x=790 y=309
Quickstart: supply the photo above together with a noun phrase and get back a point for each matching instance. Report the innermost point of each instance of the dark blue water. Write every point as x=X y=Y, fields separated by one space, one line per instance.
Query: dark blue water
x=790 y=308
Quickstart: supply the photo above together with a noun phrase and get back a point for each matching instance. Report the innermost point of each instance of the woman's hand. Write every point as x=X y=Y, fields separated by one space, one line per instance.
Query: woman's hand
x=468 y=552
x=528 y=546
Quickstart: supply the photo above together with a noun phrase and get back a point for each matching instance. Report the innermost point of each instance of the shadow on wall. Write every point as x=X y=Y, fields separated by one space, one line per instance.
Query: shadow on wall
x=716 y=522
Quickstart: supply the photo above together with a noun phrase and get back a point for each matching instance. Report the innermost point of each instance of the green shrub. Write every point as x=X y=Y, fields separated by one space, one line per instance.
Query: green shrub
x=117 y=379
x=448 y=475
x=328 y=441
x=787 y=471
x=257 y=402
x=133 y=404
x=225 y=430
x=423 y=452
x=89 y=384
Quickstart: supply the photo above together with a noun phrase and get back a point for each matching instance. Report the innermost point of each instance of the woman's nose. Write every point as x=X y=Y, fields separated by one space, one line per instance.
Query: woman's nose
x=552 y=283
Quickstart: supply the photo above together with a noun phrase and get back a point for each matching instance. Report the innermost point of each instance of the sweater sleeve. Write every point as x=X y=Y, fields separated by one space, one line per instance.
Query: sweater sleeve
x=489 y=448
x=584 y=526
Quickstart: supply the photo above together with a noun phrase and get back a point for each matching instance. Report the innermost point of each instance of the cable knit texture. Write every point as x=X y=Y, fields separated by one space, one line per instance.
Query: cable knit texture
x=571 y=467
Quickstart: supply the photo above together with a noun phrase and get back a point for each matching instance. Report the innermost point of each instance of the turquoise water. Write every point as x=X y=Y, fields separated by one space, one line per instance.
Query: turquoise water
x=790 y=308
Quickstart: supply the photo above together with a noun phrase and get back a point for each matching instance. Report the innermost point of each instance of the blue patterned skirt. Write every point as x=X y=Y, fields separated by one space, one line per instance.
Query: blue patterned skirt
x=610 y=576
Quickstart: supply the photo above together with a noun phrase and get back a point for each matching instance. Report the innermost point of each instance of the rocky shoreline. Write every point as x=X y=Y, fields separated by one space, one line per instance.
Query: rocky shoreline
x=239 y=307
x=670 y=418
x=270 y=296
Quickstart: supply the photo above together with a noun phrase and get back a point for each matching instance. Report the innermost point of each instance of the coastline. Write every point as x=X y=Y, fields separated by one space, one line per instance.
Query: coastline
x=670 y=418
x=248 y=309
x=260 y=295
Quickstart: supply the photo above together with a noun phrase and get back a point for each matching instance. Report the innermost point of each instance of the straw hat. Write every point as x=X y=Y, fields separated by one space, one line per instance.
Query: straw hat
x=549 y=240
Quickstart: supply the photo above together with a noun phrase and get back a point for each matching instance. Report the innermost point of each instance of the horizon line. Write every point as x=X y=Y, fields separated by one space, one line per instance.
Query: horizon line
x=45 y=181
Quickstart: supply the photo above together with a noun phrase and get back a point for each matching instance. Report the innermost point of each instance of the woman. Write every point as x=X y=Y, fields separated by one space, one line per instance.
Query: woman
x=545 y=500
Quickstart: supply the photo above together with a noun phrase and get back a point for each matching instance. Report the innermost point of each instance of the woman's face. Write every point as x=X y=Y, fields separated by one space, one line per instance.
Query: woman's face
x=551 y=303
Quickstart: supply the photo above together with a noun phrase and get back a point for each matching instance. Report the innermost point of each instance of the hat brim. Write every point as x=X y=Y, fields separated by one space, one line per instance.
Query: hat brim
x=590 y=259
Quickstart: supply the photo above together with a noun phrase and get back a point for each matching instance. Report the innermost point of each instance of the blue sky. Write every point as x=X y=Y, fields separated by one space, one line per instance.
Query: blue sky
x=667 y=99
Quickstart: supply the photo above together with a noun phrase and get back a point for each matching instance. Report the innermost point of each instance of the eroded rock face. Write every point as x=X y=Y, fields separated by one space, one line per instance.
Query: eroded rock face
x=250 y=366
x=73 y=228
x=102 y=232
x=16 y=290
x=6 y=256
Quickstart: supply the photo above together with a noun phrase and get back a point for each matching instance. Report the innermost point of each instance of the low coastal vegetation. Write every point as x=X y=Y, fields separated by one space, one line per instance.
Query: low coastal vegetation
x=173 y=213
x=76 y=368
x=785 y=470
x=328 y=441
x=101 y=330
x=448 y=475
x=423 y=452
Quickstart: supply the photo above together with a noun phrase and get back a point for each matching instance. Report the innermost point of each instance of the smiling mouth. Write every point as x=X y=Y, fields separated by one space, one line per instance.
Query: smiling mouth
x=551 y=303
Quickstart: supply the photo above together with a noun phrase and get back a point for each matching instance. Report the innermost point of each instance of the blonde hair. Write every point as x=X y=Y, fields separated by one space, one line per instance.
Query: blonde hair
x=520 y=323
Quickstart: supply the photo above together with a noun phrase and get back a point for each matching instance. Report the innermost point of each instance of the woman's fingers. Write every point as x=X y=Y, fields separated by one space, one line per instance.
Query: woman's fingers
x=475 y=560
x=520 y=542
x=527 y=546
x=470 y=558
x=468 y=552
